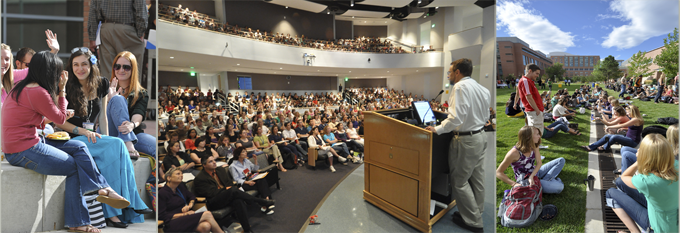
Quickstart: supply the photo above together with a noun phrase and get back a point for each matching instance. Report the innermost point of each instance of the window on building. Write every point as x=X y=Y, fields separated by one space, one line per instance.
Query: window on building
x=509 y=61
x=508 y=54
x=508 y=47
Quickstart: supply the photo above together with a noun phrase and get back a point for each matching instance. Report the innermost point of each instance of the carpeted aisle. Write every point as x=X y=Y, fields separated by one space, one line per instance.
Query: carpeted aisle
x=301 y=191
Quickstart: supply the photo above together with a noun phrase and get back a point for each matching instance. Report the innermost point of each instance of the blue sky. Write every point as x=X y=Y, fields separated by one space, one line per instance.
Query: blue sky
x=589 y=27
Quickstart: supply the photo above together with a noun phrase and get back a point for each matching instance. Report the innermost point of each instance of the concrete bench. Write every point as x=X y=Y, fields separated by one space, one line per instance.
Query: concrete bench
x=31 y=202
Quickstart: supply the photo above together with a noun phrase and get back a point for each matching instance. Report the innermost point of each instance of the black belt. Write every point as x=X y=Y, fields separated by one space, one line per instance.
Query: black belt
x=467 y=133
x=129 y=24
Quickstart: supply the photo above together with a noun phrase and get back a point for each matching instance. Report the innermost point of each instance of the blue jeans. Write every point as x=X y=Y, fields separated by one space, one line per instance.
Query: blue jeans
x=610 y=139
x=631 y=201
x=342 y=150
x=658 y=94
x=65 y=158
x=558 y=125
x=623 y=91
x=628 y=157
x=548 y=175
x=117 y=113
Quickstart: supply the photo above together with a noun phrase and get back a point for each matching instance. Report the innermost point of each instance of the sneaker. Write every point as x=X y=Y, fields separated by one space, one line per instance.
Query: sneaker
x=341 y=159
x=332 y=169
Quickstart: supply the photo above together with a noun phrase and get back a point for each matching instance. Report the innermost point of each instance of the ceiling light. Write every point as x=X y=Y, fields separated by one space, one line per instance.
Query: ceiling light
x=317 y=70
x=424 y=16
x=436 y=8
x=172 y=57
x=286 y=7
x=388 y=71
x=420 y=1
x=328 y=13
x=238 y=64
x=416 y=70
x=281 y=68
x=181 y=69
x=364 y=21
x=350 y=71
x=352 y=17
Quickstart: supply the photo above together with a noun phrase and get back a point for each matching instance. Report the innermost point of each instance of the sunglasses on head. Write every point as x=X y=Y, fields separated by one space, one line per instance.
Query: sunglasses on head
x=82 y=49
x=125 y=67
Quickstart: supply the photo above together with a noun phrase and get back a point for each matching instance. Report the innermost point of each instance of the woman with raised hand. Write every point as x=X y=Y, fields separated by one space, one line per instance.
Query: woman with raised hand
x=632 y=138
x=42 y=94
x=86 y=91
x=522 y=158
x=127 y=106
x=10 y=76
x=650 y=197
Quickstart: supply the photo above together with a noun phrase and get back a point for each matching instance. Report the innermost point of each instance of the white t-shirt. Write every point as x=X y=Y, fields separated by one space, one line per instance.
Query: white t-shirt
x=559 y=110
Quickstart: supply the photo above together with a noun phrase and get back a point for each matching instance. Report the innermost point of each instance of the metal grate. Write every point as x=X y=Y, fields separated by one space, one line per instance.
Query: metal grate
x=612 y=223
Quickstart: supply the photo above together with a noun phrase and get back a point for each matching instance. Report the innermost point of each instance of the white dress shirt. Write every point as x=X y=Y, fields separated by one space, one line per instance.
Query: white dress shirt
x=289 y=133
x=468 y=107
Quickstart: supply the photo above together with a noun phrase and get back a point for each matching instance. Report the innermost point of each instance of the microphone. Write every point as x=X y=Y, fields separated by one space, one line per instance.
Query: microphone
x=430 y=108
x=440 y=93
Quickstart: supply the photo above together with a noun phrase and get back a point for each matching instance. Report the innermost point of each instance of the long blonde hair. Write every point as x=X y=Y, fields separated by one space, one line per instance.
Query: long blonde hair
x=525 y=142
x=635 y=113
x=8 y=78
x=135 y=87
x=672 y=136
x=656 y=156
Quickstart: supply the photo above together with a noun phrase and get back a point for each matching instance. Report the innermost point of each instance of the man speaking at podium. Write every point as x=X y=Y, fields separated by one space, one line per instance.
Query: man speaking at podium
x=467 y=114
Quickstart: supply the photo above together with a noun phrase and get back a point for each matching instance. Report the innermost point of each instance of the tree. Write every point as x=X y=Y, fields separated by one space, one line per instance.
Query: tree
x=639 y=65
x=668 y=58
x=607 y=69
x=555 y=70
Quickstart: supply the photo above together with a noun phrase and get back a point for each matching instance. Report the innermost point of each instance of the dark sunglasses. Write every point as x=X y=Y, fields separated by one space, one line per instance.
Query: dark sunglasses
x=125 y=67
x=82 y=49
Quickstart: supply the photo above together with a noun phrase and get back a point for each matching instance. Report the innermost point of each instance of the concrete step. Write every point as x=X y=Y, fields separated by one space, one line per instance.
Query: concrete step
x=31 y=202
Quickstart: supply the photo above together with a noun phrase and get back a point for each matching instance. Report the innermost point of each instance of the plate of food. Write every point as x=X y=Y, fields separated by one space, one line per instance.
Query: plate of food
x=59 y=136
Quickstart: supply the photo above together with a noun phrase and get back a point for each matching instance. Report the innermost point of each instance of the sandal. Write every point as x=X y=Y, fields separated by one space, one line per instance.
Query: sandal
x=586 y=148
x=617 y=172
x=115 y=203
x=600 y=148
x=134 y=155
x=88 y=228
x=578 y=133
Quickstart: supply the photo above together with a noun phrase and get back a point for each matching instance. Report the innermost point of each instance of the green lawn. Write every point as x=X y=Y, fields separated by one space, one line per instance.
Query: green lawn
x=571 y=202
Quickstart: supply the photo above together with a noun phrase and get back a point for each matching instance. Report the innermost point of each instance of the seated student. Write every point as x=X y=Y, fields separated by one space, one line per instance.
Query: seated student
x=558 y=125
x=315 y=141
x=182 y=130
x=200 y=127
x=190 y=142
x=342 y=136
x=125 y=112
x=202 y=150
x=262 y=142
x=510 y=107
x=225 y=149
x=248 y=143
x=629 y=154
x=529 y=138
x=173 y=137
x=650 y=197
x=560 y=111
x=619 y=117
x=211 y=136
x=288 y=150
x=178 y=159
x=217 y=186
x=339 y=146
x=242 y=168
x=291 y=135
x=632 y=138
x=354 y=135
x=174 y=207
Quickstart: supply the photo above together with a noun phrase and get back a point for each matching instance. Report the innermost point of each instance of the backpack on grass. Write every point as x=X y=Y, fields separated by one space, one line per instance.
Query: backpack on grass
x=522 y=205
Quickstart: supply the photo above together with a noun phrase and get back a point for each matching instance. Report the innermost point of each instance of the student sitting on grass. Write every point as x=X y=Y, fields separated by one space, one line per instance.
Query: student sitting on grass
x=510 y=109
x=558 y=125
x=649 y=198
x=629 y=154
x=529 y=138
x=619 y=117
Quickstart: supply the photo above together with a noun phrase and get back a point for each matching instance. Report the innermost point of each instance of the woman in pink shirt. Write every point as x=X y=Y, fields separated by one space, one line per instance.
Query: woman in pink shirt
x=42 y=95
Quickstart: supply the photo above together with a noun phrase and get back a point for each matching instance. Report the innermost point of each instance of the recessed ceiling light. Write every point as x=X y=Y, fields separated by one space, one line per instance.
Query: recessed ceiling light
x=364 y=21
x=328 y=13
x=317 y=70
x=350 y=71
x=286 y=7
x=172 y=57
x=235 y=70
x=181 y=69
x=388 y=71
x=436 y=8
x=386 y=21
x=352 y=17
x=281 y=68
x=424 y=16
x=416 y=70
x=238 y=64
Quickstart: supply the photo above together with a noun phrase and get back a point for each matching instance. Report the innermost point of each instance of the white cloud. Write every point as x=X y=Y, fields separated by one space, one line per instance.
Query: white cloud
x=646 y=19
x=530 y=26
x=608 y=16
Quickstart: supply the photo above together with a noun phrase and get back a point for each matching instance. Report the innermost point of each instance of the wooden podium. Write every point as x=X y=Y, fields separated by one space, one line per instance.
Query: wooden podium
x=402 y=161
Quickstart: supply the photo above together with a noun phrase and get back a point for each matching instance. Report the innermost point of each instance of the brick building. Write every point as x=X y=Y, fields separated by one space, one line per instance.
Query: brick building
x=576 y=65
x=513 y=55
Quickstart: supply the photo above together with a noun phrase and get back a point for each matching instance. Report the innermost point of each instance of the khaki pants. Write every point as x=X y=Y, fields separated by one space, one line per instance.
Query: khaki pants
x=466 y=160
x=274 y=151
x=117 y=38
